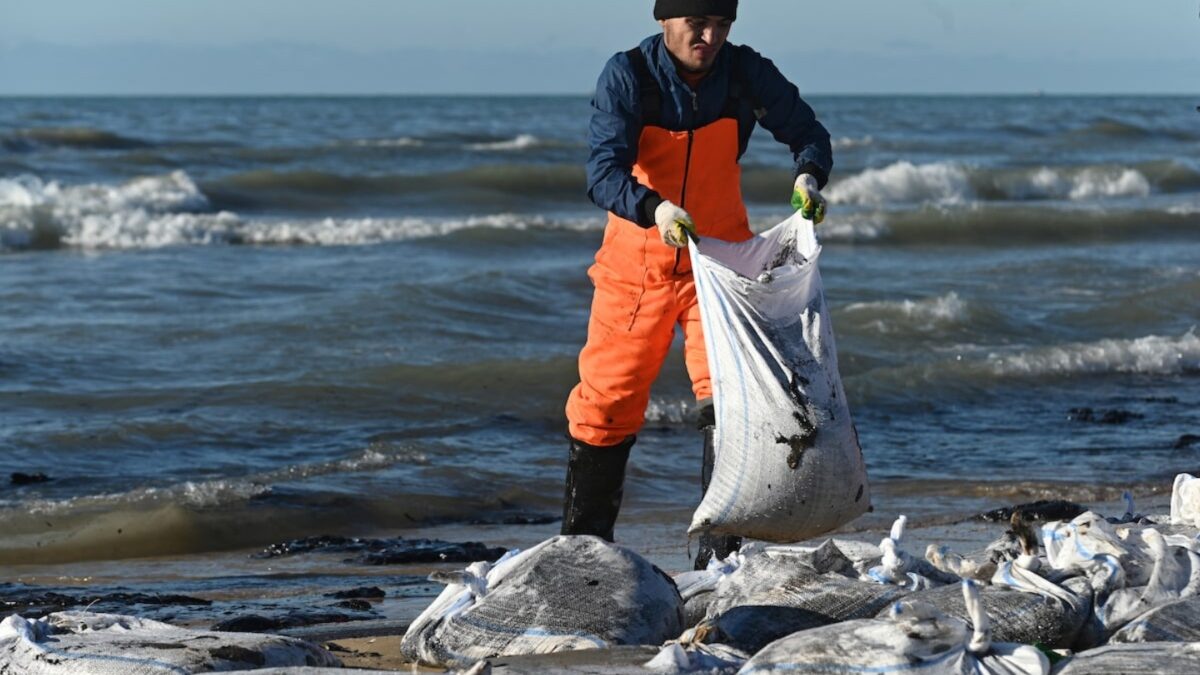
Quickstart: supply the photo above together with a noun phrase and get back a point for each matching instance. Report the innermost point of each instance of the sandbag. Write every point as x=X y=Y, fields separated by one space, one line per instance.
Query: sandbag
x=84 y=643
x=1175 y=574
x=566 y=593
x=1185 y=500
x=1151 y=658
x=1019 y=611
x=914 y=637
x=1177 y=621
x=779 y=591
x=788 y=464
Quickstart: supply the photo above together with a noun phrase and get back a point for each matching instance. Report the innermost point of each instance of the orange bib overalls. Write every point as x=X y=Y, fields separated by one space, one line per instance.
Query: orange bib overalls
x=644 y=287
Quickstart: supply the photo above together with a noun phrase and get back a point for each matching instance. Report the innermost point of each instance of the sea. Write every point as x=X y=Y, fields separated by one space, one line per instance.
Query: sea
x=230 y=322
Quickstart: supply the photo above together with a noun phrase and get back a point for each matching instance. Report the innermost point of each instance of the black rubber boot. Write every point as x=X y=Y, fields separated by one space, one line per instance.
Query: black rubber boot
x=711 y=545
x=595 y=484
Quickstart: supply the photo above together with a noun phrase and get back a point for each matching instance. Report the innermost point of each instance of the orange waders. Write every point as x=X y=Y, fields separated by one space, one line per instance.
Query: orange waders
x=644 y=287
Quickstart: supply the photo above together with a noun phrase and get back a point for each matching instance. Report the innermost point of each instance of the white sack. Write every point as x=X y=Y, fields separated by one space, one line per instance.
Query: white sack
x=567 y=593
x=1185 y=501
x=84 y=643
x=788 y=463
x=915 y=637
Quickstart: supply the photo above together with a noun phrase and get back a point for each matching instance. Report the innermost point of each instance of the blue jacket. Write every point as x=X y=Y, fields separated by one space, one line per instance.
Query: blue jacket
x=616 y=121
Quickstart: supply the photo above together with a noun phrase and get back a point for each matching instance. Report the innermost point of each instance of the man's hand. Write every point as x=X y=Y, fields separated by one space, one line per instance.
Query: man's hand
x=674 y=224
x=807 y=199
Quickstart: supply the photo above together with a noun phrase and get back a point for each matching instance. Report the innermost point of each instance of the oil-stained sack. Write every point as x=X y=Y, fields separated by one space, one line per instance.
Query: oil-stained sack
x=788 y=464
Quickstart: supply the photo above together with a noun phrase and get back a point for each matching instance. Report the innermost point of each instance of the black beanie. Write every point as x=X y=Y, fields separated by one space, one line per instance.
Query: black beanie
x=669 y=9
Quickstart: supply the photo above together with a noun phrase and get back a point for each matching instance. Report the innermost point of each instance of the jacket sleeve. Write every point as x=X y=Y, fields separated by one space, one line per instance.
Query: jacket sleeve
x=613 y=134
x=789 y=119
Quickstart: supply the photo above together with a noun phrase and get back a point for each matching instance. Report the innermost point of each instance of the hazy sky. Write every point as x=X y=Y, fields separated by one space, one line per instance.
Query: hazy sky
x=558 y=46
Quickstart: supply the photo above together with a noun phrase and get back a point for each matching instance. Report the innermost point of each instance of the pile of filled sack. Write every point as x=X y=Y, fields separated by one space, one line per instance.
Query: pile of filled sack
x=1089 y=595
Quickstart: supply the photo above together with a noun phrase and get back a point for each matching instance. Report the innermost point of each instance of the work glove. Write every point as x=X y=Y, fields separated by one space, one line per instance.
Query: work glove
x=807 y=199
x=674 y=224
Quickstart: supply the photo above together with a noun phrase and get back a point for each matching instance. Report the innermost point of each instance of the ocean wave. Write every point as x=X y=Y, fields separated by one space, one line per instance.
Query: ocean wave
x=363 y=231
x=158 y=211
x=904 y=182
x=25 y=140
x=401 y=142
x=1118 y=129
x=926 y=314
x=521 y=142
x=1074 y=184
x=217 y=492
x=1152 y=354
x=310 y=189
x=850 y=142
x=664 y=411
x=973 y=369
x=945 y=183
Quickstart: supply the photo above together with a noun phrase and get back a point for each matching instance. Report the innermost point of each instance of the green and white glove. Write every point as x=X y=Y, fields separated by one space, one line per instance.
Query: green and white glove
x=807 y=199
x=674 y=224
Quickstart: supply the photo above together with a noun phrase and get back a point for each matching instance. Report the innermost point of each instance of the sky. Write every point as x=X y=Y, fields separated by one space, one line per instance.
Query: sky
x=162 y=47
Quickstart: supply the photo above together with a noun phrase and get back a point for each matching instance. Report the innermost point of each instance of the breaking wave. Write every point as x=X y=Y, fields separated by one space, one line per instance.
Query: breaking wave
x=903 y=182
x=521 y=142
x=947 y=183
x=1148 y=355
x=160 y=211
x=849 y=142
x=927 y=313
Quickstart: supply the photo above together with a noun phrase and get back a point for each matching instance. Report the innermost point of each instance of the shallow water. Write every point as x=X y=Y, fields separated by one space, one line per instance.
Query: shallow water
x=230 y=322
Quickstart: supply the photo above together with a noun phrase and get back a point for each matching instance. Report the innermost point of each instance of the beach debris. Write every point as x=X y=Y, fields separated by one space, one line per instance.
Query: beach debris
x=788 y=462
x=32 y=603
x=258 y=623
x=360 y=592
x=84 y=642
x=1148 y=658
x=1044 y=510
x=913 y=635
x=356 y=604
x=783 y=589
x=18 y=478
x=393 y=551
x=566 y=593
x=515 y=519
x=1176 y=621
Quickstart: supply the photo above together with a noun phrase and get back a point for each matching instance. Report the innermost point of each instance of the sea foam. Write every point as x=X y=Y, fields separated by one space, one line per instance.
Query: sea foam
x=521 y=142
x=158 y=211
x=1152 y=354
x=904 y=182
x=926 y=313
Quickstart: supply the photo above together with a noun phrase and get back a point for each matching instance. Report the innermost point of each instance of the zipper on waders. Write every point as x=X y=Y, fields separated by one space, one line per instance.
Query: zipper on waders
x=687 y=165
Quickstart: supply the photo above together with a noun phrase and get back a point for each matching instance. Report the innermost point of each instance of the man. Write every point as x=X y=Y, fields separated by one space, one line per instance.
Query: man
x=670 y=120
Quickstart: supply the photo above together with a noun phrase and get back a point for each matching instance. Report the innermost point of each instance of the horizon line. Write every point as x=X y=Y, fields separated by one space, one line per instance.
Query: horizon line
x=865 y=94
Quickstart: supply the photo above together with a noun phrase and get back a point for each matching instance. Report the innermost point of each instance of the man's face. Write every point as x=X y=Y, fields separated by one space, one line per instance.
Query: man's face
x=695 y=40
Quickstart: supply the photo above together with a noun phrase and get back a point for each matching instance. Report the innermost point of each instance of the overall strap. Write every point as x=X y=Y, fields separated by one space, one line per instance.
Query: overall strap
x=739 y=90
x=649 y=95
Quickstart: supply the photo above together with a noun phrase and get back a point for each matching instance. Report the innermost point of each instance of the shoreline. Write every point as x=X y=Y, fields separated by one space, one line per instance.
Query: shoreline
x=372 y=641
